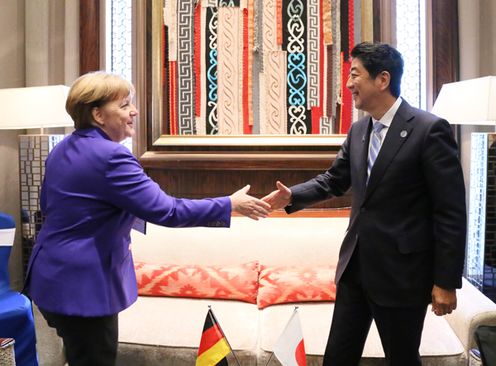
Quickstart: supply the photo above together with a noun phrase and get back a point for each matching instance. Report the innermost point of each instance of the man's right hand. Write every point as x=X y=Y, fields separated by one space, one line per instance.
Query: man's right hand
x=279 y=198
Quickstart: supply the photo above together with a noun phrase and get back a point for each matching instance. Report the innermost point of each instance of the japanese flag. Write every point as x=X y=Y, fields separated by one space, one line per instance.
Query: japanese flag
x=290 y=348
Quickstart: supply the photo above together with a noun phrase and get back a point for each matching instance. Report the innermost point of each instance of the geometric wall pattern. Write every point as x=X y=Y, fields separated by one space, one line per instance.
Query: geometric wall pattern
x=33 y=151
x=481 y=242
x=238 y=67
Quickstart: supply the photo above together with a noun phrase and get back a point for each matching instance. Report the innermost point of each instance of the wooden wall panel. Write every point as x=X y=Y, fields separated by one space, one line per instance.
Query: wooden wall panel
x=89 y=36
x=445 y=51
x=210 y=178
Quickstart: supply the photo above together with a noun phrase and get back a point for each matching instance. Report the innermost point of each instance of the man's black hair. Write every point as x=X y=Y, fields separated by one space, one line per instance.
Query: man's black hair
x=379 y=57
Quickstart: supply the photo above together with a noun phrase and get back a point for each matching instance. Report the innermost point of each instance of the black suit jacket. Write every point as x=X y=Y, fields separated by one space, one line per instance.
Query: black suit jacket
x=409 y=222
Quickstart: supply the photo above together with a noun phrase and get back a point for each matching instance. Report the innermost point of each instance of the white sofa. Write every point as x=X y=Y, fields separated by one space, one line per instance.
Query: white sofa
x=167 y=330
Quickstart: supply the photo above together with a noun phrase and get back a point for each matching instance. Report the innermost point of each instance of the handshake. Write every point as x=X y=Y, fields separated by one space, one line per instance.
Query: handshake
x=255 y=208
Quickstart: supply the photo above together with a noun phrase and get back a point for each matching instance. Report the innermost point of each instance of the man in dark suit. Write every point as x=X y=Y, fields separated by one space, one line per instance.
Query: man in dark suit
x=405 y=244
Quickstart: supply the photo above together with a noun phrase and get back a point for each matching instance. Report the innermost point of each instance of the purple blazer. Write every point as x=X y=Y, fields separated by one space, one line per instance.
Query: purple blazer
x=92 y=192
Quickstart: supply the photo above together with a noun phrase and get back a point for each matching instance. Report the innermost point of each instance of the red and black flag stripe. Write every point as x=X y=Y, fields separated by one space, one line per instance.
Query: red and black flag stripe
x=213 y=344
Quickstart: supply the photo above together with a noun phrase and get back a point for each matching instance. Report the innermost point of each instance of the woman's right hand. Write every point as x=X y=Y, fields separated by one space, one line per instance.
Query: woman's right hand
x=244 y=204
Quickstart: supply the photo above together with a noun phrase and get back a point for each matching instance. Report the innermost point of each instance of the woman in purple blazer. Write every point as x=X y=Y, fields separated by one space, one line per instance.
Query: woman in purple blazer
x=81 y=272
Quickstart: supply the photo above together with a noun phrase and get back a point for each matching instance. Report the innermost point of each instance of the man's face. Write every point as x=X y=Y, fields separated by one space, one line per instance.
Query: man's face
x=364 y=89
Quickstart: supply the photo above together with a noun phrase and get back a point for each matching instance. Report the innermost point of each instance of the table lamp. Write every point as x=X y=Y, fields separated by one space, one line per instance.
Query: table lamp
x=470 y=102
x=26 y=108
x=473 y=102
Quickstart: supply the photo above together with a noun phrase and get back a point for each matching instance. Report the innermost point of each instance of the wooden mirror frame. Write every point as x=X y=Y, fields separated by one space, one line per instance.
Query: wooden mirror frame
x=199 y=169
x=149 y=22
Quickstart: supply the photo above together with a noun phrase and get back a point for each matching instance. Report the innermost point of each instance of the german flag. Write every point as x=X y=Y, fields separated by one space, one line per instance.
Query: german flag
x=213 y=344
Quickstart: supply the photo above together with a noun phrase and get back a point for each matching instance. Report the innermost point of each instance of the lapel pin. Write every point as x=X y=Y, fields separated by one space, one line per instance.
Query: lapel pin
x=403 y=133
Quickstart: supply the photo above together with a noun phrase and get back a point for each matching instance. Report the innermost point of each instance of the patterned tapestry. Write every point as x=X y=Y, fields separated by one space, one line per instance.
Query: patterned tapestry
x=240 y=67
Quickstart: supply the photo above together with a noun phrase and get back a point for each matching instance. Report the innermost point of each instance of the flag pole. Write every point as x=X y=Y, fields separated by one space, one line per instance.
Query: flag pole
x=270 y=358
x=215 y=321
x=272 y=354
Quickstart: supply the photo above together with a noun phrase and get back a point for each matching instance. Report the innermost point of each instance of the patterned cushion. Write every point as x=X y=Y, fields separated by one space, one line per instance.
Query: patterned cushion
x=236 y=282
x=279 y=285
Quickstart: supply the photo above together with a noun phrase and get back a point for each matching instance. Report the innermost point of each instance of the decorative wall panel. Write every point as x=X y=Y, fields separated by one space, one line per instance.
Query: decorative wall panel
x=185 y=96
x=274 y=93
x=230 y=71
x=213 y=51
x=313 y=42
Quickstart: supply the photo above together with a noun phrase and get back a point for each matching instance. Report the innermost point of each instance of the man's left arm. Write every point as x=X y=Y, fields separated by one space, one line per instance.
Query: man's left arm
x=444 y=175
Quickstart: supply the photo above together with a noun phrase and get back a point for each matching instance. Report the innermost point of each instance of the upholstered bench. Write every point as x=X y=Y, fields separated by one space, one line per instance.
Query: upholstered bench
x=159 y=330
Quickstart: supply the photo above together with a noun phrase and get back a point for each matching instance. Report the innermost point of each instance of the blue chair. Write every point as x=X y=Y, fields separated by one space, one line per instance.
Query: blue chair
x=16 y=314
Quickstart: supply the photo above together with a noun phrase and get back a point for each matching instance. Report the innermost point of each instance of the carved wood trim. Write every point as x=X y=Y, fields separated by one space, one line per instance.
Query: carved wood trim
x=237 y=161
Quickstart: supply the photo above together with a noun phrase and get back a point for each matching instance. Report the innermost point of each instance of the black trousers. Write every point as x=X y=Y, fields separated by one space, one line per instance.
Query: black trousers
x=400 y=329
x=88 y=341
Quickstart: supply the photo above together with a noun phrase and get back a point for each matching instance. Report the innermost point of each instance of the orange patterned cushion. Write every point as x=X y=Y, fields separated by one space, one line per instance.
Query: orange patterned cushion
x=237 y=282
x=279 y=285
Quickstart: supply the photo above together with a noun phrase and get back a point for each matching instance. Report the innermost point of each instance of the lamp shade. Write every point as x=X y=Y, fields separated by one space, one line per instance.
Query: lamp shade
x=34 y=107
x=470 y=102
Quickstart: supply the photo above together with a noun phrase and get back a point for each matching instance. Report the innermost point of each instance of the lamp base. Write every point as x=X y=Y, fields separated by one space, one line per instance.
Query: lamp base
x=33 y=151
x=481 y=244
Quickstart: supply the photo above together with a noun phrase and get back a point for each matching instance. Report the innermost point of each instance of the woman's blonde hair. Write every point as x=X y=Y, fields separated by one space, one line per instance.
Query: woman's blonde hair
x=92 y=90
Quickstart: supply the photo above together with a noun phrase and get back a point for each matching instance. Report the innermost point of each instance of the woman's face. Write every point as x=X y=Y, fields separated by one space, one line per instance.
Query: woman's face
x=116 y=118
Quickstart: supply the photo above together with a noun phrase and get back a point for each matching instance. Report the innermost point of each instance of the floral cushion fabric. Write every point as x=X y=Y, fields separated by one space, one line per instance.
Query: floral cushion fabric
x=234 y=282
x=284 y=284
